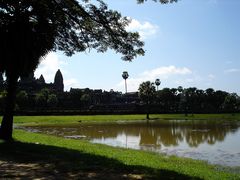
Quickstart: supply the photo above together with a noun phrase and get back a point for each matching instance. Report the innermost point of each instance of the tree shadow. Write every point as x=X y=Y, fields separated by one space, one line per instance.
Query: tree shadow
x=28 y=161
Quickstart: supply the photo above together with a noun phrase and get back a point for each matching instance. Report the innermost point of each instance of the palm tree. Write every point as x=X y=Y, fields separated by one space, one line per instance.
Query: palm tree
x=157 y=82
x=147 y=93
x=125 y=76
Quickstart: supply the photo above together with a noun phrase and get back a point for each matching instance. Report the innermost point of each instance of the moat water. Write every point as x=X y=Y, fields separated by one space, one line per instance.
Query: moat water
x=217 y=142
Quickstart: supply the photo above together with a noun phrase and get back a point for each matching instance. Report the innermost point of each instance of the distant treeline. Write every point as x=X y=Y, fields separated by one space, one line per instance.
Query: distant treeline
x=87 y=101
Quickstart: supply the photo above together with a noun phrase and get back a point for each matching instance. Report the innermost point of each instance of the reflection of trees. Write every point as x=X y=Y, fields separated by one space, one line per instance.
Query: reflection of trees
x=160 y=135
x=206 y=133
x=167 y=133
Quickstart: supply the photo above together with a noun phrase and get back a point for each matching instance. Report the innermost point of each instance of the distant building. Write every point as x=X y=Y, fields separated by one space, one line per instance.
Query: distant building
x=33 y=85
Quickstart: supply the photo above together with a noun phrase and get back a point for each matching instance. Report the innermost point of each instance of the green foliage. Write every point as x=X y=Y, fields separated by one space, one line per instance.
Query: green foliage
x=22 y=99
x=125 y=75
x=52 y=100
x=85 y=98
x=41 y=100
x=46 y=98
x=231 y=102
x=42 y=97
x=3 y=95
x=147 y=92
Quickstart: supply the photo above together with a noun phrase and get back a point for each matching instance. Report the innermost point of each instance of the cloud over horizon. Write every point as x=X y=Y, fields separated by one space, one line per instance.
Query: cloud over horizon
x=233 y=70
x=163 y=73
x=48 y=68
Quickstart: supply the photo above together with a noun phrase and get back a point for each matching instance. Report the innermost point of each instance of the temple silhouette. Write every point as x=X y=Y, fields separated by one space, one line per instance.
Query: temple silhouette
x=36 y=97
x=31 y=84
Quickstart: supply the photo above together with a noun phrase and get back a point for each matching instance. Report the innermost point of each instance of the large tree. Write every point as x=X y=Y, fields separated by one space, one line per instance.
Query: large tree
x=147 y=94
x=30 y=29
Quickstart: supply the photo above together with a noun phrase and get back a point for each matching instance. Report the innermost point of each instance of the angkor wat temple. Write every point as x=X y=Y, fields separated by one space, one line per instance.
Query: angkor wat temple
x=36 y=97
x=32 y=85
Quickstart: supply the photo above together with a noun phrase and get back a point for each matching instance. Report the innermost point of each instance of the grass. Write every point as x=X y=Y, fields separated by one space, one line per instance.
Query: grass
x=34 y=155
x=37 y=155
x=107 y=118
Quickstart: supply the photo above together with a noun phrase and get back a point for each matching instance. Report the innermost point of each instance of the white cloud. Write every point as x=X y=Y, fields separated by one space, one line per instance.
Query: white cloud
x=48 y=68
x=145 y=29
x=164 y=72
x=233 y=70
x=211 y=77
x=188 y=81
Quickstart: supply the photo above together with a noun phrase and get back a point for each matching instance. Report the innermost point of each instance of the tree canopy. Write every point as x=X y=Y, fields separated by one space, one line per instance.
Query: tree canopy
x=30 y=29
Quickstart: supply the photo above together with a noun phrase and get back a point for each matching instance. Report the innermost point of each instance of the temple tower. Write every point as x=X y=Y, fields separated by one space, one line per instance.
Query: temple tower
x=41 y=79
x=58 y=81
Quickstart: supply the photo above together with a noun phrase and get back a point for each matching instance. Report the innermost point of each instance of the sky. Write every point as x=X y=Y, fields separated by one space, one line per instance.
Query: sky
x=192 y=43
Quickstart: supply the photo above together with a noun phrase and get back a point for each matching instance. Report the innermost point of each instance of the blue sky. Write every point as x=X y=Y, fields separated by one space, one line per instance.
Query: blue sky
x=192 y=43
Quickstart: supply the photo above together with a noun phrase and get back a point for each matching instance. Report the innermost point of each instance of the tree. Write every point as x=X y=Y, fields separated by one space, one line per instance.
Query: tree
x=85 y=99
x=41 y=98
x=166 y=97
x=125 y=76
x=147 y=93
x=22 y=99
x=1 y=80
x=30 y=29
x=157 y=82
x=230 y=103
x=52 y=100
x=209 y=99
x=3 y=95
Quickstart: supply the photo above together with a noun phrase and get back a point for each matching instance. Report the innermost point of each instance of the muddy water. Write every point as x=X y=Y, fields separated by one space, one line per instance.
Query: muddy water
x=217 y=142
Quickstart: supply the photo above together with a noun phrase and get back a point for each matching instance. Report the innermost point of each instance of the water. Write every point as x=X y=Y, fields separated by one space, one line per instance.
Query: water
x=214 y=141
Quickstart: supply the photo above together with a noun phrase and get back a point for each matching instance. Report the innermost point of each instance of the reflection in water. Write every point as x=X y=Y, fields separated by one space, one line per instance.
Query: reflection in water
x=196 y=139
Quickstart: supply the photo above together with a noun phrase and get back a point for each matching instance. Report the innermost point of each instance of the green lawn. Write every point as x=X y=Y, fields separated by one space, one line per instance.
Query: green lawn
x=50 y=156
x=34 y=155
x=106 y=118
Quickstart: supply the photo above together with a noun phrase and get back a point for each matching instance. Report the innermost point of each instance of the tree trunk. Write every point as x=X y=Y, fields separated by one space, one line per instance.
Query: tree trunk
x=7 y=121
x=148 y=109
x=147 y=116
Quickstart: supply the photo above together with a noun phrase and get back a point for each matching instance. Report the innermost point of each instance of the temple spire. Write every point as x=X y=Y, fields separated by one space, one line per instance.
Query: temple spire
x=58 y=81
x=41 y=79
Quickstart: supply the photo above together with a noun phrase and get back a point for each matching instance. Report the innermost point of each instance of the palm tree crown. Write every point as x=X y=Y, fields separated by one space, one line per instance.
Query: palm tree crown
x=125 y=75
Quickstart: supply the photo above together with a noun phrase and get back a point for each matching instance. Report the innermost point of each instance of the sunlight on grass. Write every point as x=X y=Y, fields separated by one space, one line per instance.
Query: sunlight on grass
x=189 y=167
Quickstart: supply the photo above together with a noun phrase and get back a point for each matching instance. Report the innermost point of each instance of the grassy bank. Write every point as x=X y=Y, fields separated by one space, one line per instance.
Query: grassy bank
x=106 y=118
x=35 y=155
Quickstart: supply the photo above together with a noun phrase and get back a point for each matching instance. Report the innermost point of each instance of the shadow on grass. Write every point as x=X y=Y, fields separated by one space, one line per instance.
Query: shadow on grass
x=29 y=161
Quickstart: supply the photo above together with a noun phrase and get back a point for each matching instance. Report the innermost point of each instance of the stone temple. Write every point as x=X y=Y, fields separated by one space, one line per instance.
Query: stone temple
x=31 y=84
